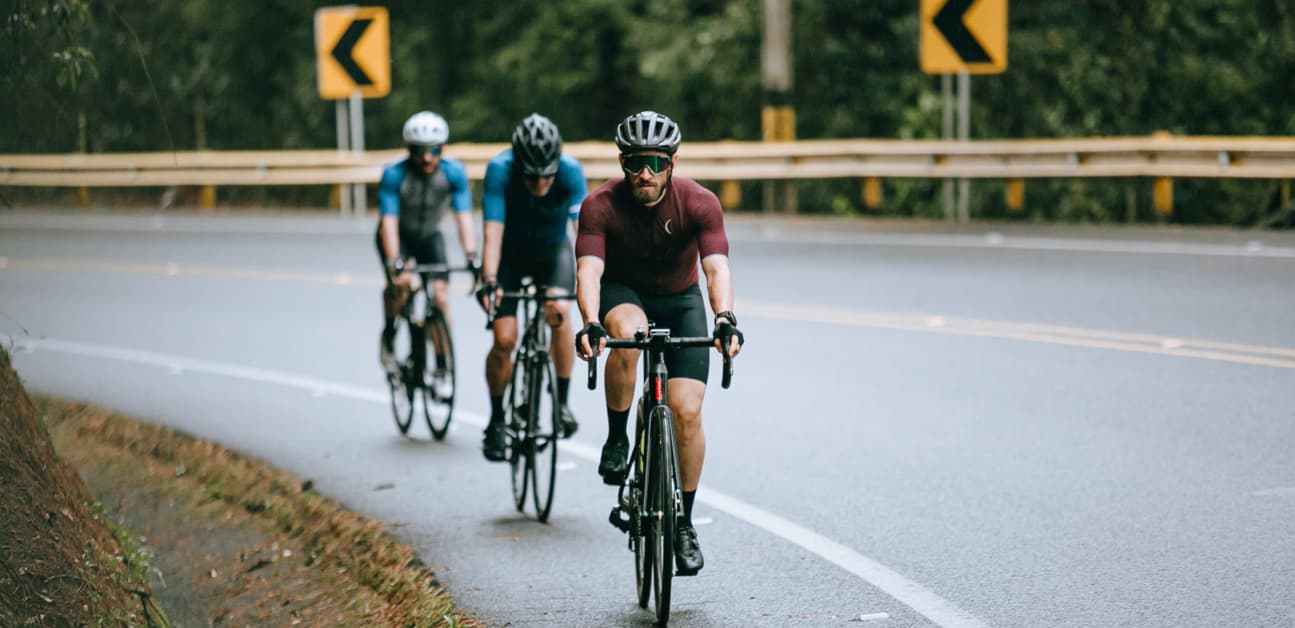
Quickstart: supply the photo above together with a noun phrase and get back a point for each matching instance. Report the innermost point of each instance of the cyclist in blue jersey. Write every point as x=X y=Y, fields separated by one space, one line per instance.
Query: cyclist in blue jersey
x=532 y=193
x=414 y=196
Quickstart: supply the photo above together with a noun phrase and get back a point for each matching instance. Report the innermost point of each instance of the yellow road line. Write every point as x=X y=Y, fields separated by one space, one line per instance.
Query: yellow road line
x=1255 y=355
x=1050 y=334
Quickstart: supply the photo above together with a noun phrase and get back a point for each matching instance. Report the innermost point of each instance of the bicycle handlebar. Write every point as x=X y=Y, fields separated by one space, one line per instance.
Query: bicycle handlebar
x=536 y=293
x=671 y=343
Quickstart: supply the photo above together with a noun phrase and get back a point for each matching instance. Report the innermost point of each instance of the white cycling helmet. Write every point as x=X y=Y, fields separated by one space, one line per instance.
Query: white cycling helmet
x=426 y=129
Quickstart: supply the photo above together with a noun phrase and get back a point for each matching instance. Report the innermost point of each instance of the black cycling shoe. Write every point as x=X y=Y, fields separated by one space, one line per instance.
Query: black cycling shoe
x=615 y=464
x=567 y=422
x=492 y=444
x=687 y=551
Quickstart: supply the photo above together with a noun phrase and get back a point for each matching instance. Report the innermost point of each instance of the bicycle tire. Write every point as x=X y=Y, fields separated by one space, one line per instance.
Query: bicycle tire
x=438 y=408
x=638 y=490
x=664 y=498
x=542 y=449
x=518 y=429
x=402 y=390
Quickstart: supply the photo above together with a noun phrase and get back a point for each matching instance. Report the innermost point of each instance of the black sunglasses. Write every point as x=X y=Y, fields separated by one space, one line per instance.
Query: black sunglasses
x=416 y=149
x=633 y=164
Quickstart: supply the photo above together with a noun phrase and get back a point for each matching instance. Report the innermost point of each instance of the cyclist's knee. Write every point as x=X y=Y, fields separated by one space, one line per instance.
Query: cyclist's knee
x=556 y=313
x=625 y=326
x=442 y=299
x=504 y=344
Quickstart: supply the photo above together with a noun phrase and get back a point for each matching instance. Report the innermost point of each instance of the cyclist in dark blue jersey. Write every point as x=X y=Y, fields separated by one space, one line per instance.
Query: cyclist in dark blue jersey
x=414 y=196
x=532 y=193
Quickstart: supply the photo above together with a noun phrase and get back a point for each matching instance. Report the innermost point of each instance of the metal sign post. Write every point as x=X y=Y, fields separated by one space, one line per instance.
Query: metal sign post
x=343 y=146
x=946 y=119
x=964 y=134
x=357 y=147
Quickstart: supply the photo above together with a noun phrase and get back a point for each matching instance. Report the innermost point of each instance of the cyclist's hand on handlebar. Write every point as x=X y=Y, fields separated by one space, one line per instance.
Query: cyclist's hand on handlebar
x=487 y=292
x=474 y=265
x=404 y=280
x=728 y=338
x=593 y=335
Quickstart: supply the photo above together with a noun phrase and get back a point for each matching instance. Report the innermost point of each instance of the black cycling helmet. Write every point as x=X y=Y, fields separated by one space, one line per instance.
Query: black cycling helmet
x=648 y=131
x=537 y=146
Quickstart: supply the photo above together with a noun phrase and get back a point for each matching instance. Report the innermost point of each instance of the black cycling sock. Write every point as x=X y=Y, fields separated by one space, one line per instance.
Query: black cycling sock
x=616 y=423
x=564 y=386
x=496 y=408
x=688 y=497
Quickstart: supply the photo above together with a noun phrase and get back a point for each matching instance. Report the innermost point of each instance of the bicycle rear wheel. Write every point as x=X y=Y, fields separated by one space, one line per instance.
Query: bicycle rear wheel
x=542 y=450
x=519 y=427
x=402 y=383
x=663 y=503
x=438 y=384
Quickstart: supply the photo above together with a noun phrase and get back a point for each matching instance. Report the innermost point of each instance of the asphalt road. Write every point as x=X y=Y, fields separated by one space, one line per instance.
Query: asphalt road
x=982 y=426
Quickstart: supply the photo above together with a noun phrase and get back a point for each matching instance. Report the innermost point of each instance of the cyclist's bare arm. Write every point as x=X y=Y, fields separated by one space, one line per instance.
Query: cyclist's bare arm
x=467 y=233
x=390 y=236
x=589 y=275
x=719 y=283
x=491 y=247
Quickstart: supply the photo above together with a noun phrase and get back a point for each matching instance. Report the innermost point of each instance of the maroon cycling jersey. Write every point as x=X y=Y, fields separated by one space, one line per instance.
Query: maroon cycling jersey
x=653 y=250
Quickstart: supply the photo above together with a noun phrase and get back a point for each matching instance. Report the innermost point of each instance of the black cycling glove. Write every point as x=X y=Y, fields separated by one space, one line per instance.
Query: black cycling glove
x=486 y=294
x=726 y=329
x=594 y=332
x=475 y=267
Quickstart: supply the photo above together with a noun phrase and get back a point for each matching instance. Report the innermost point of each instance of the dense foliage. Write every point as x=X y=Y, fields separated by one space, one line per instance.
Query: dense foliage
x=241 y=75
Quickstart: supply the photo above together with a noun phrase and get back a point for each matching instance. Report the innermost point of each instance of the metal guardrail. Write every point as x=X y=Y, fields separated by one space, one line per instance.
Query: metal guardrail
x=1156 y=156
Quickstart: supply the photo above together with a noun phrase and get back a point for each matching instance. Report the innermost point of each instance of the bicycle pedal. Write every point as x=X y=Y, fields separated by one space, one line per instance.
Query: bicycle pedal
x=618 y=520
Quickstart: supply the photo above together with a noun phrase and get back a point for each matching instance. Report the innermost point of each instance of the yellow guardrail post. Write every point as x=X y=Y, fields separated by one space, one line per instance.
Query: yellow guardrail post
x=207 y=194
x=83 y=192
x=1015 y=195
x=1162 y=193
x=730 y=191
x=1162 y=196
x=872 y=192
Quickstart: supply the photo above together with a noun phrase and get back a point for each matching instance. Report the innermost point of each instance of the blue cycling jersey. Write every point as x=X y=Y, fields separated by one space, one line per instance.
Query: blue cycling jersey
x=532 y=220
x=421 y=200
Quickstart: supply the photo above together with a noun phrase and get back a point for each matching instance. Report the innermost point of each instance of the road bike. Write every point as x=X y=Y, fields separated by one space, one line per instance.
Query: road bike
x=423 y=332
x=533 y=424
x=649 y=502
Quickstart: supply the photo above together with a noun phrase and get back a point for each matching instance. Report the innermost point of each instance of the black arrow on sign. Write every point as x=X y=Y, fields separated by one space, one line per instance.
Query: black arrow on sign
x=342 y=51
x=949 y=22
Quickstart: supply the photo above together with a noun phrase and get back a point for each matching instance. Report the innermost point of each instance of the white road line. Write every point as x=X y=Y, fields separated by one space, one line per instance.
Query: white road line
x=915 y=596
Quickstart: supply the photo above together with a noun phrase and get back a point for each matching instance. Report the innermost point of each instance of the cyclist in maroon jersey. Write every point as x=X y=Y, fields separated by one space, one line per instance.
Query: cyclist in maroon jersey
x=637 y=248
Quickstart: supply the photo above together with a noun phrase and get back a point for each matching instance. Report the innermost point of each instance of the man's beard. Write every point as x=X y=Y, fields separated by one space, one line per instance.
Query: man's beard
x=651 y=193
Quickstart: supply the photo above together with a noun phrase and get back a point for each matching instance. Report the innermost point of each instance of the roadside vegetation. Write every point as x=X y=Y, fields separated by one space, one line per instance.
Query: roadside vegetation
x=129 y=75
x=108 y=521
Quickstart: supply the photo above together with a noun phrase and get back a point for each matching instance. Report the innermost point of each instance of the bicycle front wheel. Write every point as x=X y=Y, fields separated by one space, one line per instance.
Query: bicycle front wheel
x=402 y=383
x=663 y=503
x=542 y=456
x=642 y=537
x=518 y=429
x=438 y=383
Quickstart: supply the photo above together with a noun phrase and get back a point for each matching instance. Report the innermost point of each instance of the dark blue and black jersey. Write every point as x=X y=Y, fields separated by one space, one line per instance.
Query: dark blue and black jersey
x=532 y=221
